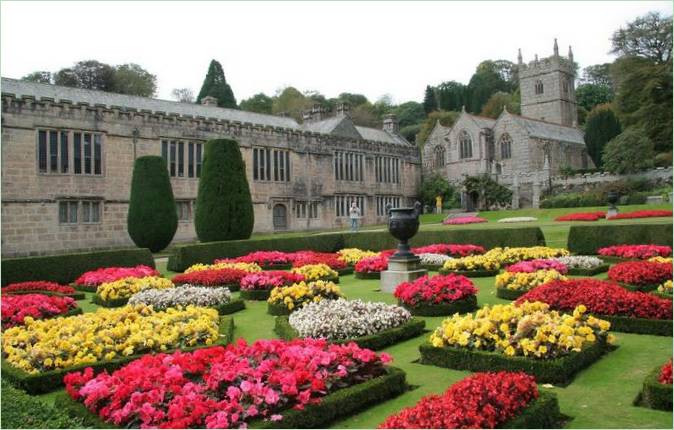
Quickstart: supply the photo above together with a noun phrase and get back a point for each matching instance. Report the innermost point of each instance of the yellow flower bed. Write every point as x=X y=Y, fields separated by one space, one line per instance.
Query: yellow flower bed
x=472 y=262
x=302 y=293
x=127 y=287
x=316 y=272
x=523 y=281
x=659 y=259
x=354 y=255
x=59 y=343
x=530 y=329
x=513 y=255
x=665 y=288
x=247 y=267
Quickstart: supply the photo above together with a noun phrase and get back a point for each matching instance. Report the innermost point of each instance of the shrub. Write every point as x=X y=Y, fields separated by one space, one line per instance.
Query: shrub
x=629 y=152
x=587 y=239
x=602 y=125
x=224 y=205
x=19 y=410
x=152 y=219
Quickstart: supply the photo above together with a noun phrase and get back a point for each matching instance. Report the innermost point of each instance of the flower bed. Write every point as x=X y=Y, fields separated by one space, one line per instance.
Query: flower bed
x=472 y=266
x=284 y=300
x=640 y=275
x=37 y=356
x=657 y=388
x=515 y=255
x=665 y=289
x=511 y=285
x=451 y=249
x=582 y=216
x=42 y=287
x=528 y=337
x=351 y=256
x=317 y=272
x=535 y=265
x=517 y=219
x=264 y=259
x=225 y=264
x=439 y=295
x=464 y=220
x=303 y=258
x=15 y=309
x=257 y=286
x=482 y=400
x=432 y=261
x=628 y=311
x=117 y=293
x=642 y=214
x=371 y=267
x=88 y=281
x=230 y=278
x=208 y=297
x=286 y=384
x=583 y=265
x=641 y=252
x=665 y=260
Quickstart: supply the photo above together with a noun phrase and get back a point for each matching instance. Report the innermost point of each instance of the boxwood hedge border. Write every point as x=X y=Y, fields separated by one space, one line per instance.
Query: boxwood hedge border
x=541 y=413
x=114 y=303
x=52 y=380
x=587 y=239
x=625 y=324
x=654 y=394
x=471 y=273
x=508 y=294
x=643 y=288
x=602 y=268
x=276 y=310
x=368 y=275
x=465 y=305
x=348 y=270
x=258 y=295
x=284 y=266
x=78 y=295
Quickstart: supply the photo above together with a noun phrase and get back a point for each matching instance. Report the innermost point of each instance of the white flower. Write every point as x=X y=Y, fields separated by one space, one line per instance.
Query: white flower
x=434 y=259
x=182 y=296
x=518 y=219
x=580 y=261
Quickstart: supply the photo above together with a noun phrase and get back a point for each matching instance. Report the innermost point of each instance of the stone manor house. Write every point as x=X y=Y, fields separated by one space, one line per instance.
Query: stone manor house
x=68 y=154
x=520 y=152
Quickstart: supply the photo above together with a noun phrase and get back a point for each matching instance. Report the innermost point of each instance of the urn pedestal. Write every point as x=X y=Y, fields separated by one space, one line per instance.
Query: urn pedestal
x=612 y=198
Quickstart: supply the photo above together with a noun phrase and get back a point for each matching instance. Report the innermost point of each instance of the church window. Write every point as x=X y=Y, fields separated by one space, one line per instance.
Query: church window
x=438 y=156
x=506 y=146
x=538 y=87
x=465 y=145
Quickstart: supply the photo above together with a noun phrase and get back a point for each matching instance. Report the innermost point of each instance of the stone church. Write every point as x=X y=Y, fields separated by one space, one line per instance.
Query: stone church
x=519 y=151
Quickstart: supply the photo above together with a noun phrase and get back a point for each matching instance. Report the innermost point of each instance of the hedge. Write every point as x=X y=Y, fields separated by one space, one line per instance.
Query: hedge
x=638 y=325
x=588 y=272
x=255 y=294
x=341 y=403
x=471 y=273
x=555 y=371
x=469 y=304
x=410 y=329
x=186 y=255
x=508 y=294
x=431 y=267
x=368 y=275
x=114 y=303
x=19 y=410
x=642 y=288
x=541 y=413
x=75 y=296
x=654 y=394
x=348 y=270
x=273 y=309
x=65 y=268
x=587 y=239
x=49 y=381
x=284 y=266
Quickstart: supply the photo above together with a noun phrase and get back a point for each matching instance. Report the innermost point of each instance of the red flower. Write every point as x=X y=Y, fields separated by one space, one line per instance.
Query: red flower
x=211 y=277
x=263 y=258
x=482 y=400
x=38 y=306
x=378 y=263
x=582 y=216
x=640 y=272
x=536 y=265
x=436 y=290
x=666 y=373
x=641 y=252
x=37 y=286
x=455 y=250
x=108 y=274
x=269 y=280
x=304 y=258
x=464 y=220
x=642 y=214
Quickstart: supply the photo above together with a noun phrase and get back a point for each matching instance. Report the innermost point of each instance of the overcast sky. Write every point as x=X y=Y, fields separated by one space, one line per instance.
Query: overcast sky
x=373 y=48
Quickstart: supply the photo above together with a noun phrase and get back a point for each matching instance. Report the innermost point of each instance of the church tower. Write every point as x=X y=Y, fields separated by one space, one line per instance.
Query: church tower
x=547 y=88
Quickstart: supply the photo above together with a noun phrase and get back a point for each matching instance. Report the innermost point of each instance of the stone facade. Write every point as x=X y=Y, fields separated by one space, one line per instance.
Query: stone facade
x=34 y=199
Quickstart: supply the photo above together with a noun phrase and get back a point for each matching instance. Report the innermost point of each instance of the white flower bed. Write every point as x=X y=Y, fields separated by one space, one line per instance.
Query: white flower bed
x=346 y=319
x=518 y=219
x=580 y=261
x=183 y=296
x=434 y=259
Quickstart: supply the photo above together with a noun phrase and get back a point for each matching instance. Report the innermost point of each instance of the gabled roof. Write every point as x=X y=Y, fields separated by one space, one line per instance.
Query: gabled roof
x=548 y=130
x=340 y=125
x=382 y=136
x=482 y=121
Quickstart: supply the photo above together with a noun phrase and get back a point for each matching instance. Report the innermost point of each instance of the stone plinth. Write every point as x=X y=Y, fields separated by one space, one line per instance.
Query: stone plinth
x=400 y=270
x=611 y=212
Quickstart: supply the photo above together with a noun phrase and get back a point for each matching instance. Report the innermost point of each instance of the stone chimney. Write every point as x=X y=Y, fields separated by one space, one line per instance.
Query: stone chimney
x=391 y=123
x=209 y=101
x=343 y=109
x=316 y=113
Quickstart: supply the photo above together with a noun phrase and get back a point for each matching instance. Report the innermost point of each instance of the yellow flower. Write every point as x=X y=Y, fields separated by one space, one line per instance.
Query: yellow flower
x=354 y=255
x=472 y=262
x=127 y=287
x=302 y=293
x=659 y=259
x=246 y=267
x=315 y=272
x=666 y=287
x=525 y=281
x=514 y=255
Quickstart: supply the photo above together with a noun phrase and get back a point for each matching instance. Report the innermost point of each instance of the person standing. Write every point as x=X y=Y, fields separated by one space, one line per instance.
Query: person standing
x=354 y=214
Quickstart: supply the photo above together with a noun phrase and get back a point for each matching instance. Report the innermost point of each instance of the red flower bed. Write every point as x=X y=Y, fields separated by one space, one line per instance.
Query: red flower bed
x=269 y=280
x=263 y=258
x=378 y=263
x=536 y=265
x=464 y=220
x=38 y=306
x=436 y=290
x=211 y=277
x=582 y=216
x=481 y=400
x=36 y=286
x=303 y=258
x=666 y=373
x=96 y=277
x=223 y=387
x=454 y=250
x=640 y=273
x=641 y=252
x=642 y=214
x=600 y=297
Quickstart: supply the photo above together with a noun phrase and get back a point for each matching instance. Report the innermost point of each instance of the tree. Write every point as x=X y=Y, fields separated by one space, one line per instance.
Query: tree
x=598 y=74
x=590 y=95
x=152 y=219
x=486 y=81
x=134 y=80
x=649 y=36
x=430 y=102
x=215 y=85
x=89 y=74
x=365 y=115
x=451 y=96
x=433 y=186
x=629 y=152
x=290 y=101
x=494 y=106
x=447 y=119
x=224 y=205
x=260 y=103
x=409 y=113
x=489 y=191
x=183 y=95
x=41 y=77
x=410 y=132
x=601 y=126
x=351 y=99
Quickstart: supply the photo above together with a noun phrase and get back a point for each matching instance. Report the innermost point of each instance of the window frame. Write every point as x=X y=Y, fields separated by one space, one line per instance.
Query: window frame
x=66 y=157
x=183 y=157
x=505 y=144
x=465 y=145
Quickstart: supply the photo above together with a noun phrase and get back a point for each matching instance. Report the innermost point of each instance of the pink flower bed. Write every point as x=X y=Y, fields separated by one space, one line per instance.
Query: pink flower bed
x=263 y=258
x=464 y=220
x=96 y=277
x=437 y=290
x=378 y=263
x=455 y=250
x=536 y=265
x=38 y=286
x=641 y=252
x=269 y=280
x=38 y=306
x=331 y=259
x=582 y=216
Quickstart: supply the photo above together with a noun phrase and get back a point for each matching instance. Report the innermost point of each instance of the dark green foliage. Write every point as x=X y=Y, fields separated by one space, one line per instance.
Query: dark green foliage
x=45 y=382
x=469 y=304
x=410 y=329
x=588 y=272
x=113 y=303
x=590 y=95
x=129 y=79
x=152 y=219
x=76 y=410
x=656 y=395
x=345 y=271
x=410 y=132
x=648 y=36
x=587 y=239
x=451 y=96
x=435 y=185
x=255 y=294
x=639 y=325
x=555 y=371
x=601 y=126
x=41 y=77
x=493 y=107
x=446 y=119
x=216 y=86
x=489 y=191
x=487 y=80
x=68 y=267
x=368 y=275
x=430 y=102
x=231 y=307
x=409 y=113
x=541 y=413
x=506 y=294
x=133 y=79
x=21 y=411
x=260 y=103
x=224 y=205
x=629 y=152
x=277 y=310
x=471 y=273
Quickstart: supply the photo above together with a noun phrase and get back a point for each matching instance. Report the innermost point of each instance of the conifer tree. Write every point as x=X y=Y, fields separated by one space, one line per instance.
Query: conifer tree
x=430 y=102
x=216 y=86
x=601 y=126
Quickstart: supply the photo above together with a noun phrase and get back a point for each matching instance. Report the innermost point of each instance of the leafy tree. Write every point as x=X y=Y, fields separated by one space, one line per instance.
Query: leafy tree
x=508 y=71
x=382 y=106
x=290 y=101
x=489 y=191
x=183 y=95
x=215 y=85
x=410 y=132
x=601 y=126
x=409 y=113
x=629 y=152
x=430 y=102
x=486 y=81
x=152 y=219
x=351 y=99
x=451 y=96
x=89 y=74
x=40 y=77
x=598 y=74
x=649 y=36
x=590 y=95
x=224 y=205
x=433 y=186
x=365 y=115
x=260 y=103
x=446 y=119
x=494 y=106
x=133 y=79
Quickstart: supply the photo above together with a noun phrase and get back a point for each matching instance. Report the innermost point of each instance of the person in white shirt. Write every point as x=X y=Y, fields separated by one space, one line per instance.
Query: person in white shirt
x=354 y=214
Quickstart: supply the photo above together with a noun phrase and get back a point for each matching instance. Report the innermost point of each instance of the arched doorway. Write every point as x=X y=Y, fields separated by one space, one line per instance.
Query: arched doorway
x=280 y=215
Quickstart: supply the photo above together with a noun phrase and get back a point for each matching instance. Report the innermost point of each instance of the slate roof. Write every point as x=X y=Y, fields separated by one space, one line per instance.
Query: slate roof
x=551 y=131
x=481 y=121
x=381 y=136
x=324 y=126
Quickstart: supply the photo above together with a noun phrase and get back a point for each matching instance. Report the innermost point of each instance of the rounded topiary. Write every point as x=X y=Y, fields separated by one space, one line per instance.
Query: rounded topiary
x=224 y=206
x=152 y=220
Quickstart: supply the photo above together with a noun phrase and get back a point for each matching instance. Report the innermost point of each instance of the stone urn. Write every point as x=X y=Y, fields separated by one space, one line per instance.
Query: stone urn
x=403 y=224
x=612 y=198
